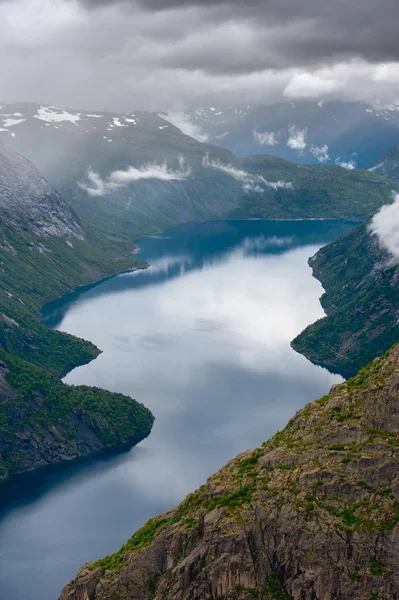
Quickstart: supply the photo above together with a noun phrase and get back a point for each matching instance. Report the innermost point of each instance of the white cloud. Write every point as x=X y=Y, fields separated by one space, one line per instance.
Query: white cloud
x=320 y=152
x=97 y=186
x=250 y=182
x=310 y=85
x=183 y=122
x=349 y=165
x=265 y=138
x=385 y=225
x=297 y=138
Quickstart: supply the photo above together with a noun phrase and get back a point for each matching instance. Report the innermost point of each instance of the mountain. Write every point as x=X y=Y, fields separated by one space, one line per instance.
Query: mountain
x=313 y=513
x=361 y=281
x=128 y=175
x=349 y=133
x=387 y=164
x=44 y=252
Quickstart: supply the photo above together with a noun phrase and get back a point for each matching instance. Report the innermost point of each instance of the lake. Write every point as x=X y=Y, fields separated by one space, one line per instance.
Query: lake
x=202 y=338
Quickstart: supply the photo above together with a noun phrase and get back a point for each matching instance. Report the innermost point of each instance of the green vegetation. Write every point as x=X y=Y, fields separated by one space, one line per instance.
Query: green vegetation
x=209 y=193
x=274 y=587
x=361 y=301
x=33 y=400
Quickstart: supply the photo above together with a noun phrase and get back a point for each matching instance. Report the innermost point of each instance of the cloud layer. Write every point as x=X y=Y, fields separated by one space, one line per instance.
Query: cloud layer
x=165 y=54
x=250 y=182
x=97 y=186
x=385 y=225
x=265 y=138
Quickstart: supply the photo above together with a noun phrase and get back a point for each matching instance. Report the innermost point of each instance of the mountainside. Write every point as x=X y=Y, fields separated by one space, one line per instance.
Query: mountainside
x=351 y=133
x=387 y=164
x=311 y=514
x=44 y=251
x=133 y=174
x=361 y=300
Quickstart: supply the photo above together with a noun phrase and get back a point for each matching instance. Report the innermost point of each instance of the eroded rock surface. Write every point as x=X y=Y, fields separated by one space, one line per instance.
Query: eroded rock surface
x=312 y=514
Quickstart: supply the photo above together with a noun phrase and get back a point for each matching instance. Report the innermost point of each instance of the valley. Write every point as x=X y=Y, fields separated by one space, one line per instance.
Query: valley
x=202 y=338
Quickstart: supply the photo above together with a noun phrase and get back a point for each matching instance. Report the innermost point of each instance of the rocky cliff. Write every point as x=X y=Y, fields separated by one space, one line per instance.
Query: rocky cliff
x=312 y=514
x=29 y=204
x=44 y=252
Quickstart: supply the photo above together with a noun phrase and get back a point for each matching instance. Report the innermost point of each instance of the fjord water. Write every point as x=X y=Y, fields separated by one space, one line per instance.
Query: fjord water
x=202 y=338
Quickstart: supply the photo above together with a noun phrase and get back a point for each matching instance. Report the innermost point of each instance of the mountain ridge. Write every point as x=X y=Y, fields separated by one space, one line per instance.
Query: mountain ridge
x=306 y=131
x=132 y=174
x=42 y=420
x=312 y=513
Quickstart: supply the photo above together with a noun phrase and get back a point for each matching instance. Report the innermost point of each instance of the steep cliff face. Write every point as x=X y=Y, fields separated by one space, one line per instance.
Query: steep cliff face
x=312 y=514
x=361 y=300
x=29 y=204
x=44 y=251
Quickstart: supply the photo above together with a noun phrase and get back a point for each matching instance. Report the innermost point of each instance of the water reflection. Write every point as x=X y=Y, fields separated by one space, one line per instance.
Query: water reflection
x=202 y=338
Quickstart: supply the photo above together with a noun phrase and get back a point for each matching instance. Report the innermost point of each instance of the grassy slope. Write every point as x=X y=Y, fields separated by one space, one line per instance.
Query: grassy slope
x=148 y=206
x=361 y=301
x=32 y=272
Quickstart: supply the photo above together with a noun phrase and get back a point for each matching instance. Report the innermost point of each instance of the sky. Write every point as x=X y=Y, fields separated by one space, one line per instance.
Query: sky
x=174 y=54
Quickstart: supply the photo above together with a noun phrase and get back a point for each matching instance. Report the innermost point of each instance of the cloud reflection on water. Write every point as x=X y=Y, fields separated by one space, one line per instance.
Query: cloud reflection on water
x=202 y=338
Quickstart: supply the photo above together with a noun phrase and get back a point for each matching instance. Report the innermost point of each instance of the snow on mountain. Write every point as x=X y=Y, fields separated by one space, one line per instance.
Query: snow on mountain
x=349 y=133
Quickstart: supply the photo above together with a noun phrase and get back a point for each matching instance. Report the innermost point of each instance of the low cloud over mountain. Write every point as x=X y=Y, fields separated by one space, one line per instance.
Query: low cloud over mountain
x=385 y=225
x=97 y=186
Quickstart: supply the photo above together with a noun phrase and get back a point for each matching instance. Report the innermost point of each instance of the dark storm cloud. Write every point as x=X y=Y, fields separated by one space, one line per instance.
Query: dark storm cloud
x=165 y=54
x=284 y=32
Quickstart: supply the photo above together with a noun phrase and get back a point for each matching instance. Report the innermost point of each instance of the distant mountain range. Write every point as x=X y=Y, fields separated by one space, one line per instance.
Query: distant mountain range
x=135 y=173
x=349 y=133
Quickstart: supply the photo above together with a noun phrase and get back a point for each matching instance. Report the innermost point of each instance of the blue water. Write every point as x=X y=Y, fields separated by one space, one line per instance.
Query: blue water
x=202 y=338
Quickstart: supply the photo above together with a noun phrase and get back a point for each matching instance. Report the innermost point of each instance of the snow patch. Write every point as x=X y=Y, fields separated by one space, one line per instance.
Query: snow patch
x=48 y=114
x=117 y=122
x=11 y=122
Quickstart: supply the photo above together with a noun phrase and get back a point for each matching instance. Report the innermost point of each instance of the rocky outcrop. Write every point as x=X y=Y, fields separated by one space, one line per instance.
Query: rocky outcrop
x=361 y=301
x=29 y=204
x=312 y=514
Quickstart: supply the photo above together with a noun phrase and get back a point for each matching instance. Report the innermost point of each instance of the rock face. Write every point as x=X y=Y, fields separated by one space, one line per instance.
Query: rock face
x=29 y=204
x=312 y=514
